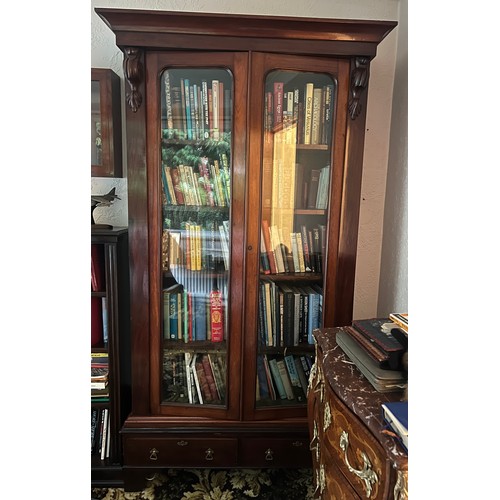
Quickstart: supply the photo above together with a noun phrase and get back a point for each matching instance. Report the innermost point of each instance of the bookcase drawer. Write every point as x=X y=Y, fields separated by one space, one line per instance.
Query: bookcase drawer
x=353 y=449
x=275 y=452
x=180 y=452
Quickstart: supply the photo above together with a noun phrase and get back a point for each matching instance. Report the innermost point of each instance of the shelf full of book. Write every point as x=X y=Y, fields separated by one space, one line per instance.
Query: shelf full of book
x=110 y=352
x=244 y=168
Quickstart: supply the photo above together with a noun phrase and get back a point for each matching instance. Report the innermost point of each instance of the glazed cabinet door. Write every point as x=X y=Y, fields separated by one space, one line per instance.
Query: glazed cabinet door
x=196 y=182
x=296 y=169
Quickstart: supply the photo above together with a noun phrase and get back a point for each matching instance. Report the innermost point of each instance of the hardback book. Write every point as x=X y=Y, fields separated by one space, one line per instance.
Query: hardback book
x=278 y=90
x=372 y=329
x=104 y=434
x=382 y=380
x=270 y=384
x=395 y=414
x=316 y=116
x=288 y=314
x=304 y=380
x=262 y=378
x=97 y=267
x=297 y=389
x=219 y=375
x=210 y=378
x=94 y=428
x=273 y=365
x=216 y=316
x=194 y=375
x=313 y=188
x=285 y=379
x=96 y=321
x=401 y=319
x=202 y=380
x=308 y=110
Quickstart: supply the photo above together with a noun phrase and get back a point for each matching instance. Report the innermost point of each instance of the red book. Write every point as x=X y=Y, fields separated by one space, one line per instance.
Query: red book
x=96 y=338
x=216 y=316
x=176 y=180
x=97 y=270
x=209 y=377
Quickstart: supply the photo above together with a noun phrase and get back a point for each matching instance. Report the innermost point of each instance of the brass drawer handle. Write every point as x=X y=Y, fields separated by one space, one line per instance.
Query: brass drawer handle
x=366 y=474
x=153 y=454
x=269 y=455
x=209 y=454
x=297 y=444
x=182 y=443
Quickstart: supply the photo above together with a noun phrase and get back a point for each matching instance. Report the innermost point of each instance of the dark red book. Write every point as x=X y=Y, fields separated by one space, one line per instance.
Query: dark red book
x=216 y=316
x=96 y=338
x=97 y=267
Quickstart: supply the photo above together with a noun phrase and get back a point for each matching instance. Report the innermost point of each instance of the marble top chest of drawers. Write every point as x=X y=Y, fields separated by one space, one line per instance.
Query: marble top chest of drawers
x=352 y=457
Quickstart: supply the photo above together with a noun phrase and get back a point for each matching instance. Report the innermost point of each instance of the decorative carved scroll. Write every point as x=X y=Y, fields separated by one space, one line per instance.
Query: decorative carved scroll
x=359 y=81
x=134 y=74
x=366 y=474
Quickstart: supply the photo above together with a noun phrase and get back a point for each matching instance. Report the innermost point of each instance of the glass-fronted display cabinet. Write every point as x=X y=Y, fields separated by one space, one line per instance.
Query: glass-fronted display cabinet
x=105 y=126
x=245 y=140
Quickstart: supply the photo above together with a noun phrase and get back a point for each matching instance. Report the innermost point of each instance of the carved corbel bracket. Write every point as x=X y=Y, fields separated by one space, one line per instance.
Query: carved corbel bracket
x=359 y=81
x=133 y=70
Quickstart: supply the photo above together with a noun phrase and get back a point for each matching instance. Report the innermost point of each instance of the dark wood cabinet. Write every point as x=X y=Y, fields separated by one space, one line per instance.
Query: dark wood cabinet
x=110 y=293
x=106 y=124
x=245 y=147
x=352 y=456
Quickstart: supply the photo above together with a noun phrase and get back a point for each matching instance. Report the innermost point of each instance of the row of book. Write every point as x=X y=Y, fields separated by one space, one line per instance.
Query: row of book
x=196 y=315
x=302 y=253
x=197 y=247
x=309 y=109
x=311 y=187
x=100 y=434
x=99 y=376
x=194 y=378
x=283 y=377
x=197 y=109
x=205 y=184
x=288 y=314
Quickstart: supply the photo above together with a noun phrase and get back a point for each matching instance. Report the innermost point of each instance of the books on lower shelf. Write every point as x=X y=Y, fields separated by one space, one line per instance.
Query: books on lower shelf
x=194 y=378
x=100 y=433
x=395 y=414
x=283 y=378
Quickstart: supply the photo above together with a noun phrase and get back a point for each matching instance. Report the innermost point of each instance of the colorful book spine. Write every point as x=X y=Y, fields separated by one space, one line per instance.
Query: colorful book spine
x=216 y=316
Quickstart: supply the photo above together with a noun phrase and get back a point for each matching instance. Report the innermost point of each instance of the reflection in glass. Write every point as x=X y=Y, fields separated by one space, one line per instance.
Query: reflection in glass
x=195 y=175
x=298 y=129
x=96 y=138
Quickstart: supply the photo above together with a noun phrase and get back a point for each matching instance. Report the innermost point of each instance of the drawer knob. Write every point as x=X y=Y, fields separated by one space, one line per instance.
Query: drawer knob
x=182 y=443
x=209 y=454
x=366 y=474
x=153 y=454
x=297 y=444
x=269 y=455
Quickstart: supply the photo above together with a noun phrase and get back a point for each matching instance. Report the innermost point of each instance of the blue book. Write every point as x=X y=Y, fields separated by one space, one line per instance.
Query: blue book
x=395 y=414
x=261 y=375
x=200 y=316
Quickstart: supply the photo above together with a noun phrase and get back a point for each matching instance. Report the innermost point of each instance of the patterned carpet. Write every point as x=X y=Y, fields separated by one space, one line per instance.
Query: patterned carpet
x=211 y=484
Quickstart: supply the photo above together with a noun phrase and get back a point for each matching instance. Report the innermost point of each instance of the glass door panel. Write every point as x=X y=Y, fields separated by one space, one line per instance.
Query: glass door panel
x=195 y=169
x=296 y=171
x=95 y=128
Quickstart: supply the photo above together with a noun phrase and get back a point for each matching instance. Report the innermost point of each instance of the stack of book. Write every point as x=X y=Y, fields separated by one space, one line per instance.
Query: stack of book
x=377 y=347
x=99 y=376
